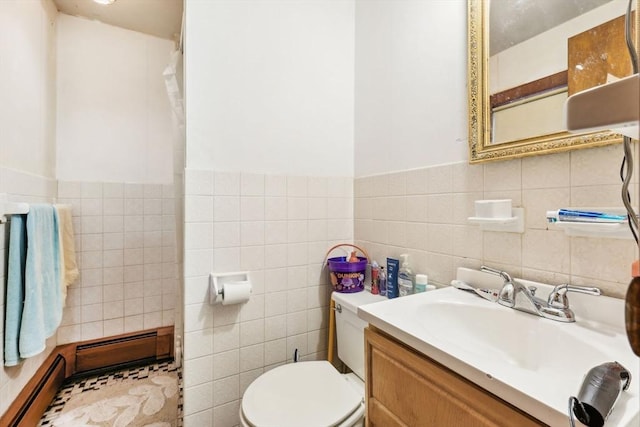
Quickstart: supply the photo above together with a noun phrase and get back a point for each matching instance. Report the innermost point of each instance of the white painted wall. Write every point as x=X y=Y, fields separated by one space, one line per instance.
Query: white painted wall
x=410 y=93
x=114 y=122
x=27 y=139
x=270 y=86
x=27 y=85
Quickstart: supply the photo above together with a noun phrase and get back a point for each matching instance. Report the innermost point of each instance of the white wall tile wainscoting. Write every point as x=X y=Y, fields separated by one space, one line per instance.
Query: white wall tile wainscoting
x=278 y=228
x=126 y=247
x=424 y=212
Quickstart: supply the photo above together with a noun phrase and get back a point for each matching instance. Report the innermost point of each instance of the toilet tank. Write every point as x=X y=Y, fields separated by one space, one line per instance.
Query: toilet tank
x=350 y=328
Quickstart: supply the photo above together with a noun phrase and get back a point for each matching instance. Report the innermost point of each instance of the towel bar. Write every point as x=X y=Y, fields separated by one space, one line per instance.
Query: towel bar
x=11 y=208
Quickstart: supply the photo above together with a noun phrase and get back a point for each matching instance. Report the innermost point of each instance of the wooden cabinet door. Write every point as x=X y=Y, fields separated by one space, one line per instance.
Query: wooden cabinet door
x=405 y=388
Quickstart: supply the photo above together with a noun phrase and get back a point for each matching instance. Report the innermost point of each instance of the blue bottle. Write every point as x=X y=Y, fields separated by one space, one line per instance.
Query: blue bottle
x=392 y=277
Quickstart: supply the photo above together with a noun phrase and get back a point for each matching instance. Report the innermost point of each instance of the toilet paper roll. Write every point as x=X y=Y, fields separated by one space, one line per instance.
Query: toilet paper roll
x=236 y=293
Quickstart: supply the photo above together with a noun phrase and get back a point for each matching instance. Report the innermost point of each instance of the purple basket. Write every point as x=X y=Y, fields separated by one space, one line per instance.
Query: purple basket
x=347 y=277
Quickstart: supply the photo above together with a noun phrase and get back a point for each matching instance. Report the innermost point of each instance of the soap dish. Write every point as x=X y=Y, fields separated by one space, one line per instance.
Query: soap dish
x=512 y=224
x=500 y=208
x=484 y=220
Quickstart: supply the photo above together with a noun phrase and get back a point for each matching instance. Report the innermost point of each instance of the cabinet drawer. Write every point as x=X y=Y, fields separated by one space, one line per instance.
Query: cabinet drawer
x=405 y=388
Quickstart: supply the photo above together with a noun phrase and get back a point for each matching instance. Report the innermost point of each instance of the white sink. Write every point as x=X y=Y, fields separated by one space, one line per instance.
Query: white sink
x=531 y=362
x=511 y=336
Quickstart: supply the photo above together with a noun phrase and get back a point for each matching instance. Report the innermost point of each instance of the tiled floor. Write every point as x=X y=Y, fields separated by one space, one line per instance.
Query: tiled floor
x=87 y=384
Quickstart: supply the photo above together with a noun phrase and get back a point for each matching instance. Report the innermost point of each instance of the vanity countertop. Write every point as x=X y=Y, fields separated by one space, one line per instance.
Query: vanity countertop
x=533 y=363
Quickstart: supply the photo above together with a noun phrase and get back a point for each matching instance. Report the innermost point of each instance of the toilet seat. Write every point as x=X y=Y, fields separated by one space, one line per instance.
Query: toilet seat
x=300 y=394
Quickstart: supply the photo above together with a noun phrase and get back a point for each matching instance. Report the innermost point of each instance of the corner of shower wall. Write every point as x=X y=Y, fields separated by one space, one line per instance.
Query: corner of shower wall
x=178 y=182
x=174 y=79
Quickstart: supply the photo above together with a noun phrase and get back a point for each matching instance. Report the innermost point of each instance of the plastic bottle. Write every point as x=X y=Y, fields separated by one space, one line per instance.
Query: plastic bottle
x=375 y=271
x=405 y=277
x=421 y=283
x=393 y=265
x=382 y=282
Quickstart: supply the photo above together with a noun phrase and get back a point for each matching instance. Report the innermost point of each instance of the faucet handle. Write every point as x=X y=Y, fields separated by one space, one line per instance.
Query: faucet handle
x=558 y=297
x=500 y=273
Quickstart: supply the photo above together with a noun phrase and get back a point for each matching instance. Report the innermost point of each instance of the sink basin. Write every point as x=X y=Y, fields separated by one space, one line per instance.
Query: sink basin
x=531 y=362
x=513 y=337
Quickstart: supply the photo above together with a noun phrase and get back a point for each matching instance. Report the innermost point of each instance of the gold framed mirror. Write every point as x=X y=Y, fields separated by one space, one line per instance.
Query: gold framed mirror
x=501 y=122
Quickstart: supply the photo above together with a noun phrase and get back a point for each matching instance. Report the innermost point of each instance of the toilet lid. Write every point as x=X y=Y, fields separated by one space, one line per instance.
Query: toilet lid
x=300 y=394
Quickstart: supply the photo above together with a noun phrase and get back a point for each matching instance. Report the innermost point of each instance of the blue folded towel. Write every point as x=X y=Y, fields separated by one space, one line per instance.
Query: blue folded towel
x=15 y=288
x=42 y=312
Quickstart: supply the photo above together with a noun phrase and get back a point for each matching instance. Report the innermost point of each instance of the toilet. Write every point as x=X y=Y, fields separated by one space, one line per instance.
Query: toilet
x=314 y=393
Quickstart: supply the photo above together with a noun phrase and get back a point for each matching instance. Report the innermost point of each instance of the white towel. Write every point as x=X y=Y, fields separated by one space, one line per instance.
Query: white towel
x=68 y=265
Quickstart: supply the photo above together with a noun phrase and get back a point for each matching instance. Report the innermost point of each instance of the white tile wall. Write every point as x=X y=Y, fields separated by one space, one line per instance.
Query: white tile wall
x=20 y=187
x=126 y=250
x=423 y=212
x=278 y=228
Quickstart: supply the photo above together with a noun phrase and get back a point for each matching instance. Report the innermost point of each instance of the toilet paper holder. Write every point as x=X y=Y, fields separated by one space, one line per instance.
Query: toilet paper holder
x=218 y=280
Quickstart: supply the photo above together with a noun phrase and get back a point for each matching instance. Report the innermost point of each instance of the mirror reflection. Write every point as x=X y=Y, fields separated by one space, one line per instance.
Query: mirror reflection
x=542 y=51
x=529 y=56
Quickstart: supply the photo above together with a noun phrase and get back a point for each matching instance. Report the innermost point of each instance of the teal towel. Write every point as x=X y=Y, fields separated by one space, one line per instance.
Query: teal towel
x=15 y=288
x=42 y=312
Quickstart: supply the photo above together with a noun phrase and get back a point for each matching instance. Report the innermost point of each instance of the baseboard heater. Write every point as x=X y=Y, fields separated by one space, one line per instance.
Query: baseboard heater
x=81 y=359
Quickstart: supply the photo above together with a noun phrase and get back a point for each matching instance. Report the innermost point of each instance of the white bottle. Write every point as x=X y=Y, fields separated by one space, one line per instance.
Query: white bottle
x=421 y=283
x=405 y=277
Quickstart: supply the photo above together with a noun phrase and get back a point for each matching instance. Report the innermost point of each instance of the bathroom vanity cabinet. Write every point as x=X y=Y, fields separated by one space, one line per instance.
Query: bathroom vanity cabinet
x=406 y=388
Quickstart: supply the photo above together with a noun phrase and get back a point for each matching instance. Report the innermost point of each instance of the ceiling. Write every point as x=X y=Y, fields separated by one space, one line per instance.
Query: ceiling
x=514 y=21
x=160 y=18
x=511 y=21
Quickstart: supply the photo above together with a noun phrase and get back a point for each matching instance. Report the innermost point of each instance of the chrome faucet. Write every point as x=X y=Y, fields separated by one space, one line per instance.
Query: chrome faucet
x=558 y=297
x=511 y=289
x=517 y=296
